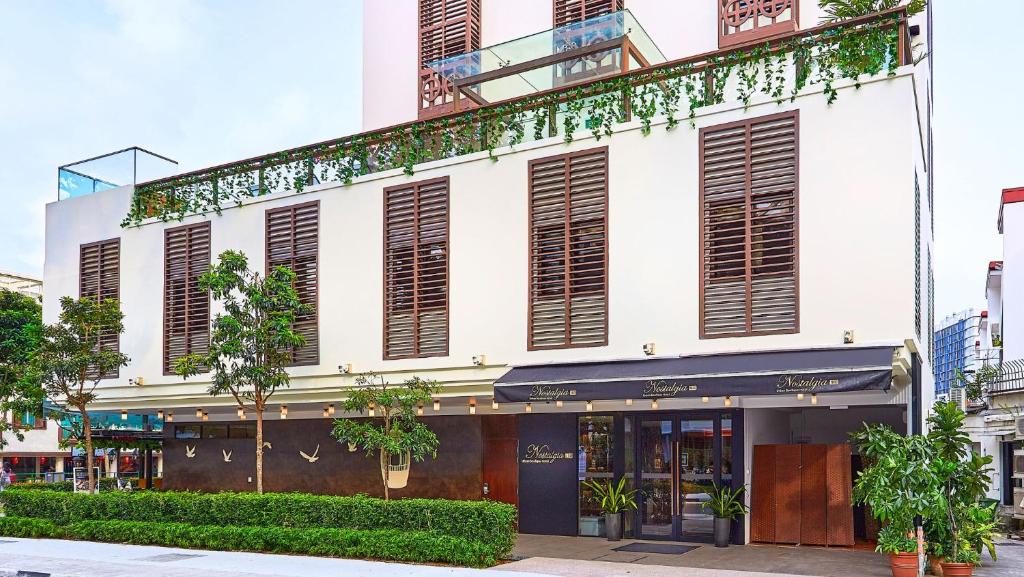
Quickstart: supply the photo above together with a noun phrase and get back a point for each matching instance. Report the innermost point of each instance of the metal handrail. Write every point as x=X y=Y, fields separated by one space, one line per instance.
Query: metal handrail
x=1010 y=378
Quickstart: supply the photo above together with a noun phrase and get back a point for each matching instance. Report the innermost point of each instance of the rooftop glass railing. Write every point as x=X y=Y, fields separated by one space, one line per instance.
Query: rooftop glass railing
x=129 y=166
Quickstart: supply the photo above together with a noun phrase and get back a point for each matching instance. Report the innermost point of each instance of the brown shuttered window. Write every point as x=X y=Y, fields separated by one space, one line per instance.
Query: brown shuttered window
x=569 y=11
x=293 y=241
x=748 y=189
x=99 y=277
x=569 y=250
x=186 y=305
x=447 y=28
x=416 y=270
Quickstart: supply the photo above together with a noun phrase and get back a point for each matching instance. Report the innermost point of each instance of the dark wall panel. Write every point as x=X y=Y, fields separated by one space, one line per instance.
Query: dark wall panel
x=547 y=474
x=455 y=474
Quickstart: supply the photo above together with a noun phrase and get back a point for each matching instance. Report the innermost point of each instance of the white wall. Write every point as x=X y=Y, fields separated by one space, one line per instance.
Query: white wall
x=1013 y=281
x=856 y=238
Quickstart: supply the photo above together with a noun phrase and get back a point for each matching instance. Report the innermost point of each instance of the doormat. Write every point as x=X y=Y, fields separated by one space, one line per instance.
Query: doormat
x=664 y=548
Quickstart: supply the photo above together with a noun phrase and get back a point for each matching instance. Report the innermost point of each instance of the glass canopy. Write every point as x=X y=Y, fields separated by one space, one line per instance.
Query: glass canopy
x=563 y=56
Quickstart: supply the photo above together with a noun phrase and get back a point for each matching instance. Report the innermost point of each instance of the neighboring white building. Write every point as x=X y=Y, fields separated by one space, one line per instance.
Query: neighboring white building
x=961 y=343
x=636 y=305
x=22 y=284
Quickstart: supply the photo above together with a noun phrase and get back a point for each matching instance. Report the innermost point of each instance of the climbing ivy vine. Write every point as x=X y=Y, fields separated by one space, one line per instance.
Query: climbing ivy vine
x=778 y=71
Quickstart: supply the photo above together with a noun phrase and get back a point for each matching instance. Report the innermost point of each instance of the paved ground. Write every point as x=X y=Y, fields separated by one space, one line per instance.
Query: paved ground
x=1011 y=561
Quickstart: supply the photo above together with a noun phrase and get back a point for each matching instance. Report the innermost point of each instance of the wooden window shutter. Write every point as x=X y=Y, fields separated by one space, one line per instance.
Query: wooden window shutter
x=99 y=277
x=416 y=269
x=293 y=241
x=569 y=250
x=570 y=11
x=446 y=28
x=186 y=305
x=749 y=234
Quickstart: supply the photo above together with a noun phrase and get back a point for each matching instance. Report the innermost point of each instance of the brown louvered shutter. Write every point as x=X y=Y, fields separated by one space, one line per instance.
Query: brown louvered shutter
x=447 y=28
x=569 y=250
x=293 y=241
x=186 y=305
x=570 y=11
x=416 y=269
x=99 y=277
x=748 y=187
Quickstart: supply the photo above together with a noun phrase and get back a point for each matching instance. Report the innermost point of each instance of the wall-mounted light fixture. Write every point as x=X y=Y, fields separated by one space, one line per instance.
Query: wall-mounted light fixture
x=559 y=404
x=170 y=417
x=590 y=406
x=494 y=404
x=814 y=398
x=472 y=406
x=848 y=337
x=529 y=407
x=728 y=401
x=799 y=396
x=160 y=414
x=654 y=404
x=242 y=415
x=648 y=349
x=479 y=360
x=240 y=412
x=419 y=409
x=199 y=413
x=124 y=414
x=372 y=410
x=284 y=411
x=437 y=405
x=206 y=416
x=330 y=409
x=345 y=368
x=137 y=381
x=705 y=399
x=629 y=402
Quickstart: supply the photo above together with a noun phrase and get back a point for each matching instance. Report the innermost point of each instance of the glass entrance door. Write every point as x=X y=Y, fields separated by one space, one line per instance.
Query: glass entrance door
x=657 y=478
x=696 y=477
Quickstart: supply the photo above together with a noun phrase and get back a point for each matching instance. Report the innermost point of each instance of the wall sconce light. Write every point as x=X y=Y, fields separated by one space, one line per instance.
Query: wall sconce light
x=705 y=399
x=160 y=414
x=345 y=368
x=419 y=409
x=529 y=407
x=284 y=411
x=494 y=404
x=199 y=413
x=728 y=401
x=848 y=337
x=799 y=396
x=137 y=381
x=648 y=349
x=479 y=360
x=814 y=398
x=206 y=416
x=559 y=403
x=629 y=402
x=170 y=417
x=590 y=406
x=437 y=405
x=472 y=406
x=372 y=410
x=654 y=404
x=124 y=414
x=330 y=409
x=240 y=412
x=326 y=412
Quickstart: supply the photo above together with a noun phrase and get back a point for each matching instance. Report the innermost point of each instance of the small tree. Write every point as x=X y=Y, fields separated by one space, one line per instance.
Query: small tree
x=21 y=320
x=252 y=341
x=71 y=359
x=396 y=430
x=976 y=383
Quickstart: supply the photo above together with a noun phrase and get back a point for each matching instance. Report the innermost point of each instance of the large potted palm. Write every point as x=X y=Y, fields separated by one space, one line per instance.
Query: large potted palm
x=614 y=500
x=726 y=504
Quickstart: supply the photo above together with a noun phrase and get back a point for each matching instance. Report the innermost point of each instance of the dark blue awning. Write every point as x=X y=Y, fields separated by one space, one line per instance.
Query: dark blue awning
x=731 y=374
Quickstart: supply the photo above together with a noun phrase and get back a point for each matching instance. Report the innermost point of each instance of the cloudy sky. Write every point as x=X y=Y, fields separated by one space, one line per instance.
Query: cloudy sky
x=215 y=81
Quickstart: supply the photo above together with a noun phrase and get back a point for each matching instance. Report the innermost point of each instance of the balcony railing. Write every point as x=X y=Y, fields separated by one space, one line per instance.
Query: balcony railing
x=778 y=68
x=1010 y=378
x=129 y=166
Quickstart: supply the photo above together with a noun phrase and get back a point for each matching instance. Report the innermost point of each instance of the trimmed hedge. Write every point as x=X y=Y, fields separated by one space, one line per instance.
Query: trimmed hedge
x=387 y=544
x=105 y=484
x=488 y=522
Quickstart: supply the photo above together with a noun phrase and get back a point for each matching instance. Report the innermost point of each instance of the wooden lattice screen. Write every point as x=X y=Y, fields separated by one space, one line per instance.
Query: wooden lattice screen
x=99 y=277
x=416 y=269
x=186 y=305
x=748 y=188
x=569 y=250
x=570 y=11
x=742 y=21
x=293 y=242
x=446 y=28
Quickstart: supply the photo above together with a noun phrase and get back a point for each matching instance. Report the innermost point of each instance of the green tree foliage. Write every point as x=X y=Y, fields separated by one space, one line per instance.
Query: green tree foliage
x=21 y=320
x=396 y=431
x=976 y=383
x=252 y=340
x=837 y=10
x=70 y=361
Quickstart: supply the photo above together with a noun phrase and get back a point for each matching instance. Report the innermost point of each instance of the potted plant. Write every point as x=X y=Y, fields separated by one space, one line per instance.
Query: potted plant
x=901 y=547
x=726 y=504
x=614 y=499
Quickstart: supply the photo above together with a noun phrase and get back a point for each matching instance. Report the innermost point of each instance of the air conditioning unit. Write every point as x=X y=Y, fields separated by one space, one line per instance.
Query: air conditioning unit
x=959 y=396
x=1018 y=427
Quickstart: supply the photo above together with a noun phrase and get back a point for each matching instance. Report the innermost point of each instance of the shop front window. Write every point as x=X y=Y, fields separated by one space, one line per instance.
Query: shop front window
x=596 y=461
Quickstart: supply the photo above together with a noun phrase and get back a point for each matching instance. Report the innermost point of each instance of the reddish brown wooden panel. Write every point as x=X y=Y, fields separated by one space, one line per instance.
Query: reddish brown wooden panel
x=762 y=495
x=812 y=494
x=839 y=494
x=787 y=493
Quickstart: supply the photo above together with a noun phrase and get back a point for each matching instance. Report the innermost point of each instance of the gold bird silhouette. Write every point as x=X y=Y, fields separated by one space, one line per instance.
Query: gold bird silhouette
x=227 y=455
x=190 y=452
x=314 y=458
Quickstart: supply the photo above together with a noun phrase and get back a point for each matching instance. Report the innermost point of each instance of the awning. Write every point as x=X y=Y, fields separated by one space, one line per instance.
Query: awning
x=733 y=374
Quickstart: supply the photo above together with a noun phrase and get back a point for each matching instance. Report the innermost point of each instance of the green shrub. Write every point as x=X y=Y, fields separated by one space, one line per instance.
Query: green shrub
x=106 y=484
x=486 y=521
x=388 y=544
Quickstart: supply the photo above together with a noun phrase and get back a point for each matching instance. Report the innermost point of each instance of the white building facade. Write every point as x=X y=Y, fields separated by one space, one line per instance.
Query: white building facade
x=675 y=305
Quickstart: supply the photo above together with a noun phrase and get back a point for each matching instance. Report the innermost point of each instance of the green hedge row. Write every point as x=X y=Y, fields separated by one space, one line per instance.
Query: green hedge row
x=387 y=544
x=489 y=522
x=106 y=484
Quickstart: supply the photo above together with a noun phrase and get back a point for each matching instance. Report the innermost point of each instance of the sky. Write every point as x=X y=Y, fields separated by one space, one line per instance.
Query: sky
x=207 y=82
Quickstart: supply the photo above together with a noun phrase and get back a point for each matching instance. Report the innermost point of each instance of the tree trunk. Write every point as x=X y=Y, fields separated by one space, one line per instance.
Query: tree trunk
x=387 y=472
x=87 y=426
x=259 y=450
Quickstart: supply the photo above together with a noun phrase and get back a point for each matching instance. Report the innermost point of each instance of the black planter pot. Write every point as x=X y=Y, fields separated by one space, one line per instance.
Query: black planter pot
x=723 y=530
x=613 y=526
